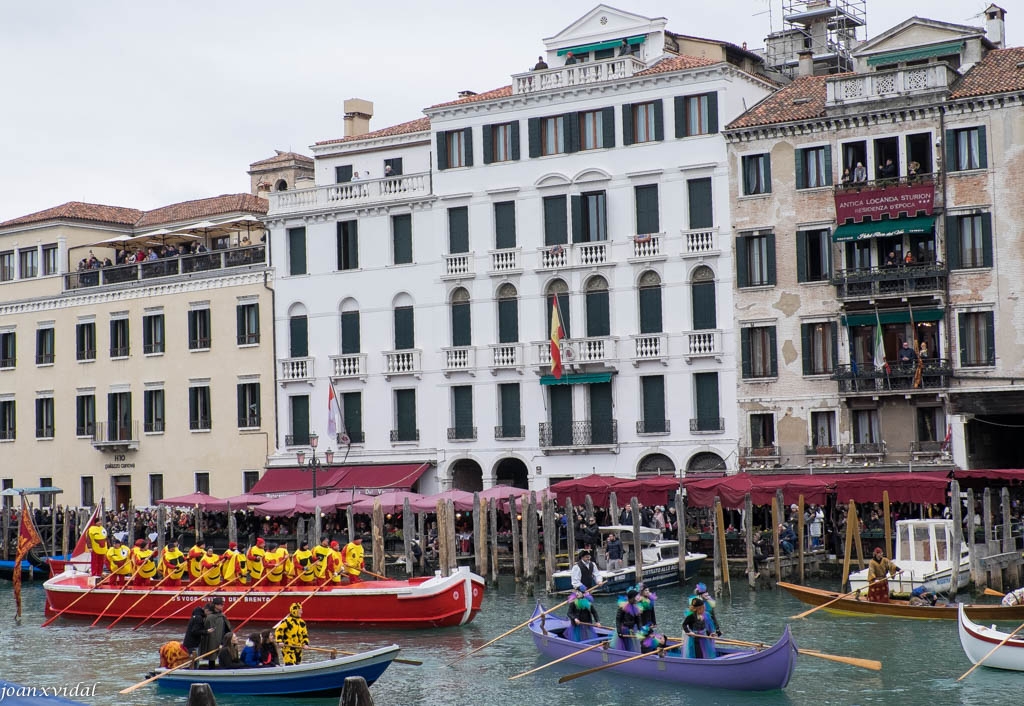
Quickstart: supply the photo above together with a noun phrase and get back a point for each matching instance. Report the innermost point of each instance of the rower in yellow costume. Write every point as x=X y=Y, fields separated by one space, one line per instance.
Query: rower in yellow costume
x=173 y=564
x=305 y=564
x=354 y=562
x=233 y=568
x=210 y=565
x=143 y=562
x=321 y=555
x=254 y=560
x=119 y=559
x=276 y=564
x=195 y=559
x=291 y=634
x=97 y=538
x=334 y=564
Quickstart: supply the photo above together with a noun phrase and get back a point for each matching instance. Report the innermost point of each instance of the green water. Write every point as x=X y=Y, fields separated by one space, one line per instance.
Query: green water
x=922 y=659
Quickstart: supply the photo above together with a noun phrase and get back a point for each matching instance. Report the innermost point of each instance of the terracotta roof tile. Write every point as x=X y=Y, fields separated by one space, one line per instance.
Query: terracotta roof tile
x=503 y=92
x=282 y=157
x=677 y=63
x=79 y=211
x=999 y=72
x=417 y=125
x=801 y=100
x=203 y=208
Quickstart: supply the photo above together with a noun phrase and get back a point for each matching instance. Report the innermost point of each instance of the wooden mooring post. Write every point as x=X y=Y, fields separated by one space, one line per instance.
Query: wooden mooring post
x=517 y=559
x=958 y=531
x=379 y=560
x=800 y=534
x=680 y=534
x=638 y=557
x=550 y=541
x=408 y=526
x=613 y=509
x=748 y=531
x=570 y=531
x=482 y=537
x=532 y=537
x=492 y=517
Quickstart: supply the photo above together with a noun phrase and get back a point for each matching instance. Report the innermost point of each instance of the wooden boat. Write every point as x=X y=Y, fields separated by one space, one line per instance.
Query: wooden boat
x=901 y=609
x=736 y=669
x=322 y=678
x=416 y=603
x=923 y=552
x=660 y=562
x=978 y=641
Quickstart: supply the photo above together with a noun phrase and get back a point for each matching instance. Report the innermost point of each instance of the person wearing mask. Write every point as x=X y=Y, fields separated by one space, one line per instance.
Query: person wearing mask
x=305 y=564
x=173 y=564
x=699 y=641
x=627 y=622
x=584 y=574
x=119 y=559
x=354 y=562
x=582 y=616
x=292 y=634
x=321 y=556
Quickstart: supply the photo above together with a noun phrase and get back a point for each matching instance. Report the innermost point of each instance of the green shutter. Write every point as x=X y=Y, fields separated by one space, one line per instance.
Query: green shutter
x=986 y=239
x=990 y=338
x=299 y=337
x=401 y=234
x=352 y=408
x=745 y=352
x=242 y=406
x=533 y=133
x=608 y=127
x=576 y=206
x=508 y=321
x=404 y=328
x=343 y=174
x=679 y=110
x=741 y=261
x=767 y=173
x=800 y=167
x=834 y=334
x=442 y=151
x=705 y=314
x=563 y=315
x=192 y=334
x=571 y=124
x=771 y=258
x=300 y=419
x=951 y=165
x=962 y=330
x=561 y=414
x=828 y=165
x=597 y=313
x=297 y=251
x=511 y=420
x=983 y=147
x=468 y=142
x=653 y=390
x=712 y=113
x=601 y=423
x=514 y=153
x=647 y=217
x=659 y=121
x=350 y=332
x=805 y=348
x=953 y=242
x=801 y=255
x=505 y=225
x=348 y=233
x=555 y=224
x=773 y=350
x=650 y=310
x=112 y=421
x=488 y=144
x=405 y=414
x=239 y=326
x=462 y=412
x=458 y=230
x=461 y=325
x=706 y=388
x=627 y=125
x=700 y=203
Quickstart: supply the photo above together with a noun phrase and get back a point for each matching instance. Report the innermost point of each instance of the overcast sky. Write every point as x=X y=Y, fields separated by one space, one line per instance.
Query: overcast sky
x=143 y=104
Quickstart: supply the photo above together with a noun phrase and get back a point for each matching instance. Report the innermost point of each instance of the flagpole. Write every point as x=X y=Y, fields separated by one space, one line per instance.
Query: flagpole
x=341 y=414
x=880 y=346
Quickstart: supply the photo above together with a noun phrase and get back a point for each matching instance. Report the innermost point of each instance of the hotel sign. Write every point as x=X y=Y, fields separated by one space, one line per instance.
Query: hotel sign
x=871 y=203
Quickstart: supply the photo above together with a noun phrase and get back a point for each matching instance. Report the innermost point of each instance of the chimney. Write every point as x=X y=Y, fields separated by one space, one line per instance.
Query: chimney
x=466 y=94
x=805 y=67
x=995 y=25
x=357 y=116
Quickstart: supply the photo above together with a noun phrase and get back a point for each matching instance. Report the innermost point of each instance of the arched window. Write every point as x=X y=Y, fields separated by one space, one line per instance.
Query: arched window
x=706 y=461
x=655 y=465
x=598 y=323
x=350 y=327
x=461 y=324
x=560 y=290
x=508 y=314
x=650 y=302
x=703 y=299
x=281 y=185
x=405 y=329
x=298 y=332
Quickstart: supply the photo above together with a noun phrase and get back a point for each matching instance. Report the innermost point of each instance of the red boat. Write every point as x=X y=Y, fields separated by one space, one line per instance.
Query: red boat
x=423 y=602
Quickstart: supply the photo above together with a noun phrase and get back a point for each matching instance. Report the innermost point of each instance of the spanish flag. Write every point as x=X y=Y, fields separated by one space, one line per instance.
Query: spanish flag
x=557 y=333
x=28 y=537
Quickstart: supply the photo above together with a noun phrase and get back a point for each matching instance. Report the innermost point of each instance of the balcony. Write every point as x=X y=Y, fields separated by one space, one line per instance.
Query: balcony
x=650 y=346
x=458 y=266
x=574 y=75
x=707 y=425
x=404 y=362
x=929 y=451
x=702 y=344
x=925 y=279
x=874 y=450
x=183 y=266
x=936 y=374
x=759 y=456
x=459 y=359
x=349 y=365
x=646 y=427
x=579 y=351
x=578 y=435
x=701 y=242
x=557 y=257
x=116 y=437
x=506 y=261
x=296 y=370
x=912 y=81
x=405 y=435
x=507 y=356
x=648 y=248
x=354 y=437
x=353 y=193
x=461 y=433
x=509 y=432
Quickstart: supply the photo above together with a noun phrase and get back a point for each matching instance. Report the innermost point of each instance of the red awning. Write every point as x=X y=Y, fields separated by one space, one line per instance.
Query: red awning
x=991 y=474
x=925 y=487
x=400 y=476
x=294 y=480
x=648 y=491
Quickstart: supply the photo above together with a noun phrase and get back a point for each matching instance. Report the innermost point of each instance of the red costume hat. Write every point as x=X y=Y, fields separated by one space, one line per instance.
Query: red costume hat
x=140 y=542
x=260 y=542
x=335 y=545
x=232 y=545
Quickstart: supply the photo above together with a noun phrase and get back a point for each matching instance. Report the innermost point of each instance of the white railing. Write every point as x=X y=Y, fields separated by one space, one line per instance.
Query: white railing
x=404 y=362
x=553 y=257
x=460 y=358
x=348 y=366
x=700 y=242
x=506 y=260
x=578 y=351
x=589 y=254
x=354 y=192
x=296 y=369
x=648 y=247
x=576 y=74
x=458 y=265
x=650 y=346
x=879 y=85
x=702 y=344
x=556 y=257
x=507 y=355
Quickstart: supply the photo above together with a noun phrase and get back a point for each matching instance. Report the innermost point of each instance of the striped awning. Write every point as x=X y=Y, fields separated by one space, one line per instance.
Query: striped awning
x=896 y=57
x=598 y=46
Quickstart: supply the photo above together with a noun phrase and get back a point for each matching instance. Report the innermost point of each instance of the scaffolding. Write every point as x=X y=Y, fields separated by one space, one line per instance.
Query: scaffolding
x=827 y=28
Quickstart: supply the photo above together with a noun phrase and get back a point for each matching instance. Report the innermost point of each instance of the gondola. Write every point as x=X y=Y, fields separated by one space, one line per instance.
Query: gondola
x=978 y=641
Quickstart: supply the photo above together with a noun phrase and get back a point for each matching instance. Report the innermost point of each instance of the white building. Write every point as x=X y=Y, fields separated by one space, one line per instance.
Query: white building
x=424 y=288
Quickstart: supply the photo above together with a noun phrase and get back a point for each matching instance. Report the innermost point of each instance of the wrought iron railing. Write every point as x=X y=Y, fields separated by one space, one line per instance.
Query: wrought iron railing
x=653 y=426
x=578 y=434
x=405 y=434
x=935 y=373
x=509 y=432
x=901 y=280
x=707 y=424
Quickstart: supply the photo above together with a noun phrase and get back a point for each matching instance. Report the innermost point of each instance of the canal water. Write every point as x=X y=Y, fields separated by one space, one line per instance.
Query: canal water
x=921 y=659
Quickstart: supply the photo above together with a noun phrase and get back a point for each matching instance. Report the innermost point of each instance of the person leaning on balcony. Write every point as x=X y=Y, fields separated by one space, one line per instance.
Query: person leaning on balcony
x=891 y=260
x=923 y=353
x=907 y=356
x=860 y=174
x=847 y=177
x=570 y=58
x=888 y=170
x=540 y=65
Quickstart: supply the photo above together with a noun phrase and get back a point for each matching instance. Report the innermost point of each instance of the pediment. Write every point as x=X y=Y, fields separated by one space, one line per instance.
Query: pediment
x=916 y=32
x=591 y=175
x=552 y=179
x=604 y=22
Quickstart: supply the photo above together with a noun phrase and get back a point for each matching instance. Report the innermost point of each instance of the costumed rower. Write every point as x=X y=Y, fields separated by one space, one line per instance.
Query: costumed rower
x=354 y=562
x=292 y=635
x=233 y=566
x=304 y=564
x=119 y=559
x=172 y=654
x=695 y=623
x=701 y=592
x=276 y=563
x=195 y=559
x=321 y=555
x=582 y=616
x=1014 y=598
x=97 y=537
x=254 y=560
x=652 y=639
x=143 y=562
x=334 y=564
x=879 y=568
x=211 y=568
x=627 y=622
x=173 y=564
x=584 y=573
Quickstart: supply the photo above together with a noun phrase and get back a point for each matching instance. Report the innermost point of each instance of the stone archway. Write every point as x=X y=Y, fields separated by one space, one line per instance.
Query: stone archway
x=655 y=465
x=467 y=475
x=513 y=472
x=706 y=461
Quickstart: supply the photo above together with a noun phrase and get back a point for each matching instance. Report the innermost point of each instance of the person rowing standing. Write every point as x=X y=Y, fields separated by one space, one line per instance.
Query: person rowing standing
x=879 y=569
x=584 y=574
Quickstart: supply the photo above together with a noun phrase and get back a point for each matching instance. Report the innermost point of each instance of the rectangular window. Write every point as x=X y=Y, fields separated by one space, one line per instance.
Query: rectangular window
x=930 y=423
x=296 y=251
x=28 y=263
x=44 y=346
x=823 y=430
x=501 y=142
x=755 y=260
x=813 y=167
x=393 y=167
x=705 y=386
x=343 y=174
x=644 y=121
x=153 y=333
x=647 y=215
x=120 y=426
x=203 y=483
x=8 y=425
x=813 y=255
x=969 y=241
x=966 y=149
x=405 y=417
x=199 y=416
x=458 y=230
x=819 y=347
x=700 y=204
x=44 y=418
x=247 y=324
x=762 y=431
x=6 y=266
x=50 y=253
x=552 y=132
x=592 y=129
x=248 y=405
x=504 y=225
x=759 y=352
x=350 y=342
x=462 y=332
x=593 y=218
x=249 y=480
x=85 y=341
x=153 y=412
x=462 y=413
x=865 y=427
x=757 y=174
x=119 y=340
x=300 y=421
x=87 y=491
x=652 y=389
x=977 y=339
x=405 y=328
x=85 y=415
x=156 y=488
x=511 y=415
x=556 y=221
x=401 y=238
x=348 y=245
x=352 y=408
x=696 y=115
x=46 y=500
x=8 y=348
x=199 y=331
x=455 y=148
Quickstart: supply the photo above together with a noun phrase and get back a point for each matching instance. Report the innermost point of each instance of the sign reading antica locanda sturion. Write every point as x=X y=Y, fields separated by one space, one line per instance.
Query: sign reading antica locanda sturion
x=871 y=203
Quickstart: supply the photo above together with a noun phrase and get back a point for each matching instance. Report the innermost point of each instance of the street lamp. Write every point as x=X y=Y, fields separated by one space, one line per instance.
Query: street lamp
x=314 y=463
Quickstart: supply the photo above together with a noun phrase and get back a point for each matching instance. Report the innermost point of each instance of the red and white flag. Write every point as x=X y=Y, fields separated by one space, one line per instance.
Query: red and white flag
x=82 y=545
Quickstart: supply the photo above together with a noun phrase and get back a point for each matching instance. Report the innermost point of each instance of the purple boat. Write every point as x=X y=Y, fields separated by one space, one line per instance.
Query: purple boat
x=736 y=669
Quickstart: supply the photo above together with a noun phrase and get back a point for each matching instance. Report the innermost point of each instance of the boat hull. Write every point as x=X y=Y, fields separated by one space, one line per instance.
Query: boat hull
x=900 y=609
x=738 y=670
x=978 y=641
x=310 y=679
x=662 y=573
x=417 y=603
x=28 y=571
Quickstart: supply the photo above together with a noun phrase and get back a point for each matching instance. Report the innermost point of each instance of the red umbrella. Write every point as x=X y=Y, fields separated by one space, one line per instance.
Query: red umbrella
x=284 y=506
x=460 y=498
x=238 y=502
x=203 y=500
x=338 y=500
x=391 y=501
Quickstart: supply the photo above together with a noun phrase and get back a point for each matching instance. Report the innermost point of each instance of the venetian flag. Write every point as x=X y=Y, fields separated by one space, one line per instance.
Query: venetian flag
x=557 y=334
x=28 y=537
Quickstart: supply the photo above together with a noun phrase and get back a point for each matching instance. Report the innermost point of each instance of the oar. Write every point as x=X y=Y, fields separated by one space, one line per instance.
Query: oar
x=72 y=604
x=992 y=651
x=336 y=651
x=871 y=664
x=190 y=661
x=518 y=627
x=245 y=593
x=116 y=596
x=839 y=598
x=187 y=586
x=264 y=605
x=657 y=653
x=993 y=592
x=137 y=601
x=602 y=643
x=198 y=599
